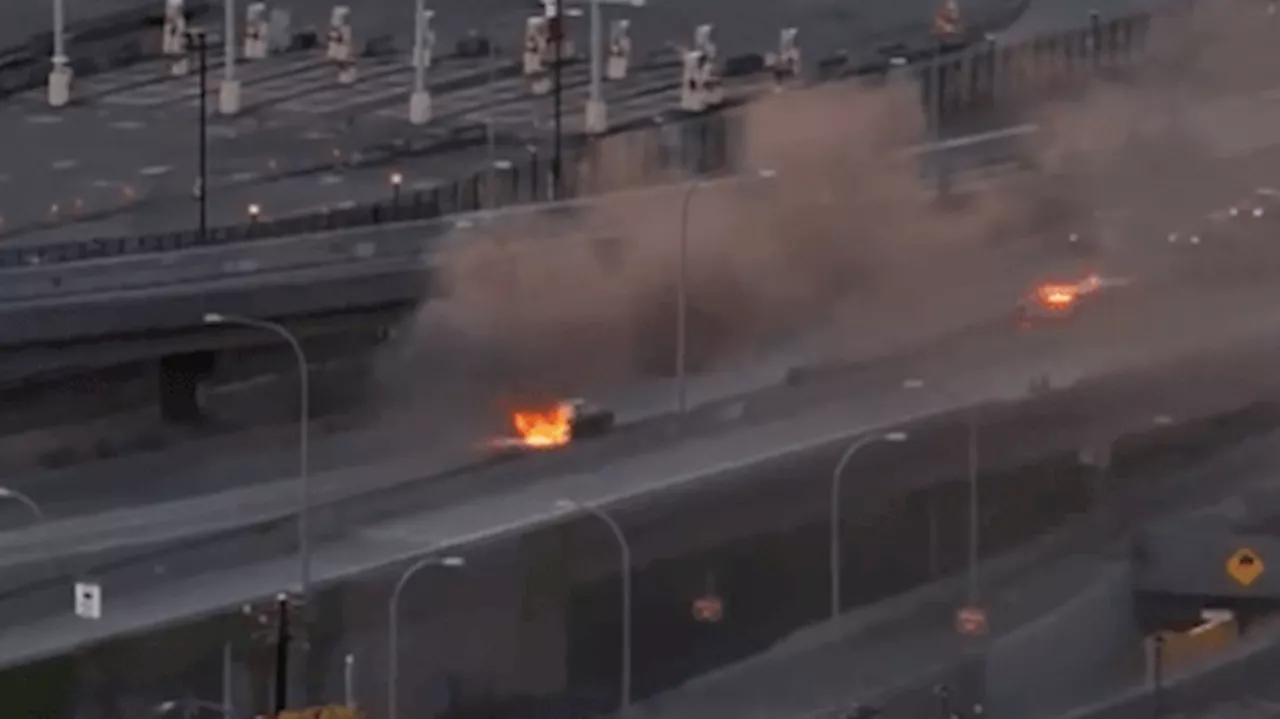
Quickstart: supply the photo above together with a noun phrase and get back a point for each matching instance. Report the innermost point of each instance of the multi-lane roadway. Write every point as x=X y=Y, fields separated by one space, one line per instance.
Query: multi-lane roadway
x=133 y=135
x=979 y=368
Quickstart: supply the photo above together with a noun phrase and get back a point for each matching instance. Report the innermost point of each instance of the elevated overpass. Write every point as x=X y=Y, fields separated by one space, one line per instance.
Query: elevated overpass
x=748 y=447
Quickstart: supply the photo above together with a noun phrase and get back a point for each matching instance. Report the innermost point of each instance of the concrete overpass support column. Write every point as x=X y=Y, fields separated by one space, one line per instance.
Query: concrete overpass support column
x=179 y=377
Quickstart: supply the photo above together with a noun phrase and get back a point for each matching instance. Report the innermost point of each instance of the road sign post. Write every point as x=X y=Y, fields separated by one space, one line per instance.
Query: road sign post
x=708 y=609
x=1244 y=567
x=971 y=621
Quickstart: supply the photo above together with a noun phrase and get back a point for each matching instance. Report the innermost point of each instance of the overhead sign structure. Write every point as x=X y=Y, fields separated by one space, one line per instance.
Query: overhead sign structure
x=971 y=621
x=88 y=600
x=1244 y=567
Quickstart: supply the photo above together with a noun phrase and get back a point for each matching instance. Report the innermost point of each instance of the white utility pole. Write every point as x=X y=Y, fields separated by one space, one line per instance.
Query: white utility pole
x=60 y=74
x=229 y=90
x=420 y=98
x=597 y=119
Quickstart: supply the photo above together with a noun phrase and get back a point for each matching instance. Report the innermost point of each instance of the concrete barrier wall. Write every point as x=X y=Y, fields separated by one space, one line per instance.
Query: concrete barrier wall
x=1067 y=656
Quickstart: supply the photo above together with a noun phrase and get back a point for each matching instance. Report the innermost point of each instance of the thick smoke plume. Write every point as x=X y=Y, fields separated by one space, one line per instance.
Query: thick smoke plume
x=845 y=243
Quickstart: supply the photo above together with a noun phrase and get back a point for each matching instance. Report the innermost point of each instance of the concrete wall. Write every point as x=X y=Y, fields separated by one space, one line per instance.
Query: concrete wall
x=1068 y=656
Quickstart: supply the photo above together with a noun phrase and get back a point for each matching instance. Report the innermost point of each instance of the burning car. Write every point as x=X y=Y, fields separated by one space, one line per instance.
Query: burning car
x=1061 y=300
x=557 y=426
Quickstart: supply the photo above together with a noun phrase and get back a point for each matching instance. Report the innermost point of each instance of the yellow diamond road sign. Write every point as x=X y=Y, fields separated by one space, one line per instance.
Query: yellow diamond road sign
x=1244 y=566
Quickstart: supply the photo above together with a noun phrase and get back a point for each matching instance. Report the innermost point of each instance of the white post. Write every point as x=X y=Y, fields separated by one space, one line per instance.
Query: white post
x=597 y=120
x=228 y=710
x=229 y=90
x=420 y=98
x=349 y=681
x=60 y=73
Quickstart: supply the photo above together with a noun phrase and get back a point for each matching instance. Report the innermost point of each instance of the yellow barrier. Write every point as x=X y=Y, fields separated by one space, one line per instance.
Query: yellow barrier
x=1186 y=649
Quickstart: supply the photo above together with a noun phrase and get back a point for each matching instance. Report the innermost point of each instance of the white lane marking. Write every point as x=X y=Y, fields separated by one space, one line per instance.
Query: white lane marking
x=155 y=170
x=128 y=125
x=65 y=164
x=331 y=179
x=44 y=119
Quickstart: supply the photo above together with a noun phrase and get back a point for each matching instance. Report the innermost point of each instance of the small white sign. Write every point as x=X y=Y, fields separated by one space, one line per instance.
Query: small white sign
x=88 y=600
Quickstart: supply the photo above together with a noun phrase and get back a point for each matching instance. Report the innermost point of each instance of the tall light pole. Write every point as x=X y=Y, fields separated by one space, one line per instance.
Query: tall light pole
x=836 y=477
x=304 y=419
x=971 y=432
x=624 y=689
x=393 y=624
x=20 y=498
x=682 y=280
x=198 y=38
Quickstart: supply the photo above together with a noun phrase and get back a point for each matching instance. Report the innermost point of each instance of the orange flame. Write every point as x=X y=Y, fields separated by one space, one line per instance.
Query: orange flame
x=544 y=430
x=1056 y=296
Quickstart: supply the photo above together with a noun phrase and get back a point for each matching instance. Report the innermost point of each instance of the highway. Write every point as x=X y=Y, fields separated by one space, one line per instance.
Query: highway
x=988 y=372
x=135 y=137
x=502 y=513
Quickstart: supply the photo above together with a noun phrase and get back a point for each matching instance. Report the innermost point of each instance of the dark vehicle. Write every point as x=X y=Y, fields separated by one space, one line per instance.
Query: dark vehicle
x=587 y=420
x=1052 y=302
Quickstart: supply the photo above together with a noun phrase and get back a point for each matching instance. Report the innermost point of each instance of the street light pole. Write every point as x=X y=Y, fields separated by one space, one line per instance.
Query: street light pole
x=393 y=624
x=682 y=301
x=971 y=430
x=682 y=282
x=304 y=419
x=20 y=498
x=624 y=547
x=973 y=505
x=197 y=36
x=595 y=119
x=836 y=478
x=557 y=36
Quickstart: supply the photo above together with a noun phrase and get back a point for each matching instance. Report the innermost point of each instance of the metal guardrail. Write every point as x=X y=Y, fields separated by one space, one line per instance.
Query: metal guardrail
x=978 y=75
